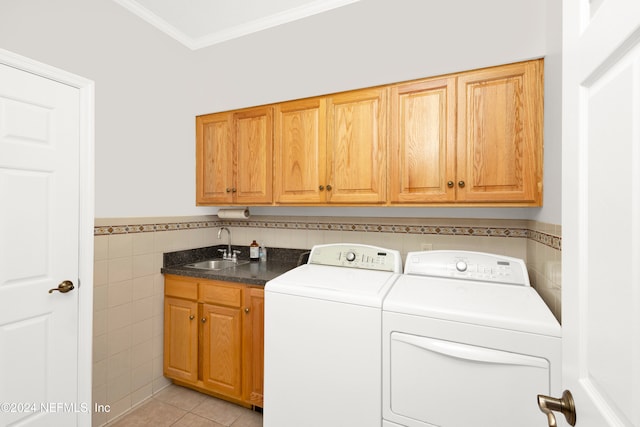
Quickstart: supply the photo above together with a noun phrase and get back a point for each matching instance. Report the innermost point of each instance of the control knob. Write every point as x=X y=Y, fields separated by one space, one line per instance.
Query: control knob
x=461 y=266
x=351 y=256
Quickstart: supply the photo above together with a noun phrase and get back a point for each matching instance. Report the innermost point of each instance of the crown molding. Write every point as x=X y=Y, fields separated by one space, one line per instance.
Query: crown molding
x=215 y=37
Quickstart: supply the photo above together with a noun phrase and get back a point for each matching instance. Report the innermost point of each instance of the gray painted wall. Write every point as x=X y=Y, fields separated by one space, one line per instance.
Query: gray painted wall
x=149 y=87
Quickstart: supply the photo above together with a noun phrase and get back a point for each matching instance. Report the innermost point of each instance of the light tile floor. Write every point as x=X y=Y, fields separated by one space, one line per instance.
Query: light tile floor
x=182 y=407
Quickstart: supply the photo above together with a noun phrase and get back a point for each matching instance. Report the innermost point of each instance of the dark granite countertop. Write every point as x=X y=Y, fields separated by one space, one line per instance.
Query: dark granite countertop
x=279 y=260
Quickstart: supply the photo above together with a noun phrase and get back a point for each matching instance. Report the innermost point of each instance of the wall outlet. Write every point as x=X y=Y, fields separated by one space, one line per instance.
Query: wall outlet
x=426 y=246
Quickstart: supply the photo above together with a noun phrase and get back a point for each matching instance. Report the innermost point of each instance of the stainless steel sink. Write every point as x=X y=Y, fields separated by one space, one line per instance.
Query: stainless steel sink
x=216 y=264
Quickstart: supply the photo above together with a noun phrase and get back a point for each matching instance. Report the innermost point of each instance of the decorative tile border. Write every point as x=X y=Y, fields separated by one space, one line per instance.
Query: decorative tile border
x=149 y=228
x=450 y=230
x=552 y=241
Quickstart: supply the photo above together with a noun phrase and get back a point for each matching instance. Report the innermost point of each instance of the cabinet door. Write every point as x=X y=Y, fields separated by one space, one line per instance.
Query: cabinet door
x=222 y=349
x=180 y=339
x=422 y=147
x=356 y=148
x=214 y=159
x=254 y=150
x=500 y=134
x=254 y=346
x=299 y=154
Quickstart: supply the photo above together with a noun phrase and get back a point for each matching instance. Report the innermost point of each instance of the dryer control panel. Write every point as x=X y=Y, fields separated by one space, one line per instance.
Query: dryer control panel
x=468 y=265
x=356 y=256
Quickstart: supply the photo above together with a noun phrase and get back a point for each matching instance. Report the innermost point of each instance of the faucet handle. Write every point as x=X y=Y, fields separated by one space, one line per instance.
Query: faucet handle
x=235 y=254
x=223 y=252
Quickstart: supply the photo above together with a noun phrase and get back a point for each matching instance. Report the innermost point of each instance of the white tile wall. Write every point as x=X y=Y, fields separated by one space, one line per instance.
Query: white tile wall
x=545 y=268
x=128 y=314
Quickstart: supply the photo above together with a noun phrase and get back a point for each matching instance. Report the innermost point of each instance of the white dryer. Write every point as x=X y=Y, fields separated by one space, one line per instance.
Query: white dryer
x=467 y=342
x=322 y=338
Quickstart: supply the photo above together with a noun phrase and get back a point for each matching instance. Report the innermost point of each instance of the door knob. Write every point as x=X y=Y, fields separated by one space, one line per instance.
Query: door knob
x=565 y=405
x=63 y=287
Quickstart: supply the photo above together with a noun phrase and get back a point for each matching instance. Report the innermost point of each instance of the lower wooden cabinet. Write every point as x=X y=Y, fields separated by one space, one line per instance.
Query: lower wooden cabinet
x=180 y=339
x=253 y=342
x=214 y=337
x=222 y=350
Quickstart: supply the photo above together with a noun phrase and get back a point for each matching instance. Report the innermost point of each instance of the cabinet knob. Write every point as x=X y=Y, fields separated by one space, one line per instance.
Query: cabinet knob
x=450 y=184
x=192 y=317
x=228 y=190
x=204 y=319
x=329 y=187
x=233 y=190
x=321 y=188
x=246 y=310
x=460 y=184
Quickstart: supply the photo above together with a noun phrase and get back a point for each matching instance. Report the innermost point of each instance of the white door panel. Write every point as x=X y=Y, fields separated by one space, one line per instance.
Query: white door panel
x=601 y=210
x=39 y=248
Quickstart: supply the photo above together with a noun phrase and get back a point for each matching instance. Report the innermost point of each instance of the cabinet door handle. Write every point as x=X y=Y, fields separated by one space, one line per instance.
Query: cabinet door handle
x=204 y=319
x=233 y=190
x=246 y=310
x=450 y=184
x=192 y=317
x=461 y=184
x=329 y=187
x=321 y=188
x=228 y=190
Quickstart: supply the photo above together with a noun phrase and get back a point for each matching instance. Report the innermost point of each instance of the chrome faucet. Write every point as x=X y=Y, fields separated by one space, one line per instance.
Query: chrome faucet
x=227 y=252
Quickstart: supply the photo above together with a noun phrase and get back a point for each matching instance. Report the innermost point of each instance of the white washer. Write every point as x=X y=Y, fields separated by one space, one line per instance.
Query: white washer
x=322 y=338
x=467 y=342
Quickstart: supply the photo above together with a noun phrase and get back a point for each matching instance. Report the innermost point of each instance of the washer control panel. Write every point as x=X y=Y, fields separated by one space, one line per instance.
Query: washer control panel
x=468 y=265
x=356 y=256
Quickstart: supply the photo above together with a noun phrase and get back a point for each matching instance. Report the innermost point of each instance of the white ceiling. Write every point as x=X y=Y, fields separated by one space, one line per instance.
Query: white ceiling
x=202 y=23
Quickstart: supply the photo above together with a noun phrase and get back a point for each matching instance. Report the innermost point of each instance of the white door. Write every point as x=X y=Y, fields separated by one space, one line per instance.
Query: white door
x=601 y=210
x=39 y=249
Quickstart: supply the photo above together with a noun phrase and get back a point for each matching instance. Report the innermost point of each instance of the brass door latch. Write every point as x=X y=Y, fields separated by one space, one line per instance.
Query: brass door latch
x=566 y=405
x=63 y=287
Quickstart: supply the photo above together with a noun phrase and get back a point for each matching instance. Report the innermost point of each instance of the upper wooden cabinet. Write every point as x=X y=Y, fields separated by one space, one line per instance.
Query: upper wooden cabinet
x=465 y=139
x=422 y=155
x=500 y=134
x=331 y=149
x=357 y=147
x=473 y=137
x=214 y=158
x=234 y=157
x=300 y=151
